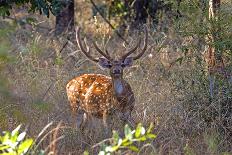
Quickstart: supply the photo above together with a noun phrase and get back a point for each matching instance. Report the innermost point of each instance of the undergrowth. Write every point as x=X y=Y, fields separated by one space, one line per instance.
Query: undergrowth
x=191 y=110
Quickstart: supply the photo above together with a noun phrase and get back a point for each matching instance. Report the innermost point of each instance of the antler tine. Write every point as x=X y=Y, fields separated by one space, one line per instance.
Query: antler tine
x=107 y=52
x=106 y=55
x=144 y=47
x=135 y=48
x=78 y=39
x=132 y=50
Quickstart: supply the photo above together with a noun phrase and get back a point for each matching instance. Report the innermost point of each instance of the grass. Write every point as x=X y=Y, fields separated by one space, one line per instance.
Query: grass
x=175 y=97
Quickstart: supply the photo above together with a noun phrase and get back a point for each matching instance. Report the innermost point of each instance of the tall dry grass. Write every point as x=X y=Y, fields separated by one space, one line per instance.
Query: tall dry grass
x=176 y=97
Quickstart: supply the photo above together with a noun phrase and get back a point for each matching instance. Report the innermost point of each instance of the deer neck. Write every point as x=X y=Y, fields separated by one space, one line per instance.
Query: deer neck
x=119 y=87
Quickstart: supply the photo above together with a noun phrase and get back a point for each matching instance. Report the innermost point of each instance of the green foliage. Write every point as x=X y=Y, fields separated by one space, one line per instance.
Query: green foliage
x=5 y=57
x=196 y=23
x=117 y=8
x=43 y=6
x=140 y=134
x=5 y=44
x=15 y=143
x=42 y=106
x=19 y=115
x=212 y=141
x=3 y=119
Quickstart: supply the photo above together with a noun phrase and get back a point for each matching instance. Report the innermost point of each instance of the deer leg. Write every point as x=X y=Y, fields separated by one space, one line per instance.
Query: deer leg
x=127 y=119
x=130 y=120
x=73 y=117
x=106 y=129
x=83 y=122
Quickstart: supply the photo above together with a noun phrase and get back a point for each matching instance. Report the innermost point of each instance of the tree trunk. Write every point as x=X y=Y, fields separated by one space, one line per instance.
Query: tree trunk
x=142 y=10
x=65 y=18
x=215 y=61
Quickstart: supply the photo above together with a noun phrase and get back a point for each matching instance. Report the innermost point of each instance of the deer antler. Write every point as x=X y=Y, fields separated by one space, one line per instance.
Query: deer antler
x=136 y=47
x=106 y=55
x=132 y=50
x=87 y=53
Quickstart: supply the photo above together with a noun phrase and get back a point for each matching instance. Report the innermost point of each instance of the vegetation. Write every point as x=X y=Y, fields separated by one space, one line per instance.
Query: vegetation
x=178 y=86
x=131 y=137
x=43 y=6
x=14 y=143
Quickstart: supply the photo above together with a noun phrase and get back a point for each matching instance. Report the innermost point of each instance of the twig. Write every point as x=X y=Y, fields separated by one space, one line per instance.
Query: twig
x=105 y=140
x=108 y=22
x=18 y=21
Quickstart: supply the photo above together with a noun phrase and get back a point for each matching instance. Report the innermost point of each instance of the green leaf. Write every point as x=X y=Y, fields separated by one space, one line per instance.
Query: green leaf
x=119 y=141
x=115 y=148
x=41 y=152
x=115 y=137
x=151 y=127
x=86 y=153
x=4 y=147
x=25 y=145
x=127 y=132
x=9 y=153
x=151 y=136
x=127 y=143
x=179 y=60
x=15 y=131
x=108 y=149
x=133 y=148
x=143 y=138
x=21 y=136
x=143 y=131
x=102 y=153
x=138 y=130
x=6 y=137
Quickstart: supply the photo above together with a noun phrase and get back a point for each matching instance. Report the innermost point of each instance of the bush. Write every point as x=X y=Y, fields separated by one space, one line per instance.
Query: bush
x=15 y=143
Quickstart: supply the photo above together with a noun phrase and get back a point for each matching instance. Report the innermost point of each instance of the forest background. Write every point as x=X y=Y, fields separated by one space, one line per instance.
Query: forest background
x=182 y=84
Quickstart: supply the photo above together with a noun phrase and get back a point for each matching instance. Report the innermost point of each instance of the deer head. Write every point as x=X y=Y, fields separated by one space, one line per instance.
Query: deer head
x=115 y=66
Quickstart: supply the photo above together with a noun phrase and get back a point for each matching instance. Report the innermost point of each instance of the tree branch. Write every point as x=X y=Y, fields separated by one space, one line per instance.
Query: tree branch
x=108 y=22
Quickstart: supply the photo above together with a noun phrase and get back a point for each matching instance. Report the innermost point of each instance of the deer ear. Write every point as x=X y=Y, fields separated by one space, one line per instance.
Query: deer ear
x=127 y=62
x=104 y=63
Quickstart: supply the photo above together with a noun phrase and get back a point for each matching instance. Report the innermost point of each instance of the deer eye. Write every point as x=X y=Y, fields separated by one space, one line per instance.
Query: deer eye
x=109 y=65
x=123 y=65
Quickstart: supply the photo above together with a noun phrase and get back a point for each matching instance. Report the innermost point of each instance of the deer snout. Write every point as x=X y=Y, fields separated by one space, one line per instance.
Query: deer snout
x=116 y=71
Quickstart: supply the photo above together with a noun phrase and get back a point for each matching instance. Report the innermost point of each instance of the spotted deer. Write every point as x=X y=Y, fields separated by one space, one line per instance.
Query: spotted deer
x=100 y=95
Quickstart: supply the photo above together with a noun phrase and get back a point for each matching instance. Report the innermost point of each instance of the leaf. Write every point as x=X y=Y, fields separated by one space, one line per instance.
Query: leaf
x=143 y=131
x=21 y=136
x=86 y=153
x=16 y=130
x=127 y=143
x=41 y=152
x=4 y=147
x=151 y=136
x=115 y=148
x=143 y=138
x=150 y=127
x=6 y=137
x=108 y=149
x=102 y=153
x=119 y=142
x=127 y=132
x=115 y=137
x=179 y=60
x=25 y=145
x=30 y=20
x=133 y=148
x=138 y=130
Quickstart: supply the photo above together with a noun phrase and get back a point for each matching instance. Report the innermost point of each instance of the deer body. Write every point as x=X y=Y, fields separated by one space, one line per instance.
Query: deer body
x=100 y=95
